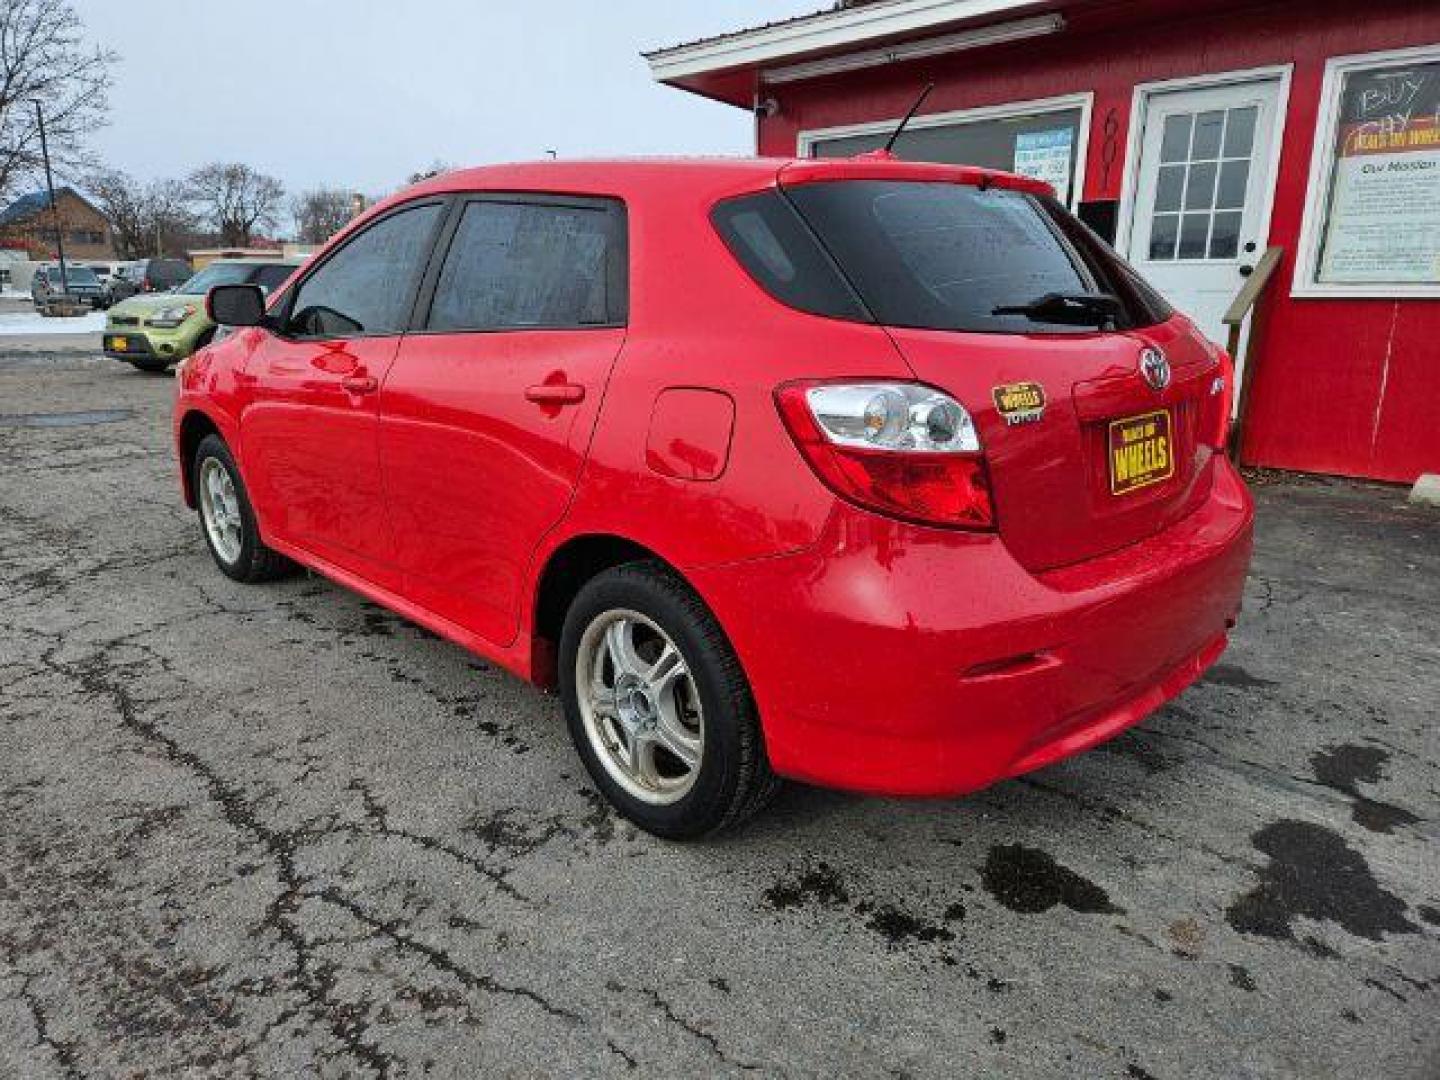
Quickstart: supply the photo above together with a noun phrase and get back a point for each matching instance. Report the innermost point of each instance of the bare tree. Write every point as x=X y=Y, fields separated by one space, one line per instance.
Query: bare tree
x=170 y=219
x=321 y=213
x=43 y=58
x=150 y=219
x=235 y=200
x=122 y=199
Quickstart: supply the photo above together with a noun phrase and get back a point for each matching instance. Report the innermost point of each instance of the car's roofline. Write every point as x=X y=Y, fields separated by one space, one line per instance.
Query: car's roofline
x=627 y=177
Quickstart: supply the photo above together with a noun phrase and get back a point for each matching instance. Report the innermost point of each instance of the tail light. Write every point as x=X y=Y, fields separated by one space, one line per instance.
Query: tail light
x=902 y=449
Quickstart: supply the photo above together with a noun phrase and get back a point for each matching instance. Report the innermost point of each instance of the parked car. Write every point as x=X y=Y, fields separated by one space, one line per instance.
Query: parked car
x=119 y=285
x=158 y=275
x=153 y=331
x=49 y=288
x=877 y=475
x=111 y=274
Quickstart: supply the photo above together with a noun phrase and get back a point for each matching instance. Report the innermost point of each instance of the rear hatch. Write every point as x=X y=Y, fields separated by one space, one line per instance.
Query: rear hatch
x=1085 y=454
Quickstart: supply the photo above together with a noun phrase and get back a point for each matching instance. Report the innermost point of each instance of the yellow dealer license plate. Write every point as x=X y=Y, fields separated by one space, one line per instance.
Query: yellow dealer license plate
x=1142 y=451
x=118 y=344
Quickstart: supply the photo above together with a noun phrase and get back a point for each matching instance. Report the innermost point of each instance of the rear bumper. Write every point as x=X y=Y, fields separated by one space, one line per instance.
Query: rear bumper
x=902 y=660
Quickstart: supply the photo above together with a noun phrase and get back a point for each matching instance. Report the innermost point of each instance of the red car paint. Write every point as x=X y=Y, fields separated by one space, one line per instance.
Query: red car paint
x=440 y=474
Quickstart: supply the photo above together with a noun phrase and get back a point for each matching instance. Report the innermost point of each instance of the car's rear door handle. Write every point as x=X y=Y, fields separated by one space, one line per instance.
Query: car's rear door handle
x=555 y=393
x=360 y=384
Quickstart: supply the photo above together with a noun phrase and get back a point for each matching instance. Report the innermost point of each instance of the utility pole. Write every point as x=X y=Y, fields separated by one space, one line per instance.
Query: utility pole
x=54 y=213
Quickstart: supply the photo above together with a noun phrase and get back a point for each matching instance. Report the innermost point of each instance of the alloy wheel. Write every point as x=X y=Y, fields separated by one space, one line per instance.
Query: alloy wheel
x=640 y=706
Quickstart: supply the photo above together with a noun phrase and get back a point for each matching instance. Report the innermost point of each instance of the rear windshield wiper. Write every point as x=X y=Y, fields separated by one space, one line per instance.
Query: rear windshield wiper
x=1072 y=309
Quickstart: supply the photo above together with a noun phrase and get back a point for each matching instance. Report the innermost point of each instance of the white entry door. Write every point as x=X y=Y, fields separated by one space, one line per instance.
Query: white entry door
x=1203 y=192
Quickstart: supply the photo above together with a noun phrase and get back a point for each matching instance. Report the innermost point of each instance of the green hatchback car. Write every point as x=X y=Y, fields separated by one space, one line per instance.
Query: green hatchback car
x=154 y=330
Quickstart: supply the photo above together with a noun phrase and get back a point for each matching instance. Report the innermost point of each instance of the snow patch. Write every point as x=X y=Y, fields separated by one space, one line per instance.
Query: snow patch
x=32 y=322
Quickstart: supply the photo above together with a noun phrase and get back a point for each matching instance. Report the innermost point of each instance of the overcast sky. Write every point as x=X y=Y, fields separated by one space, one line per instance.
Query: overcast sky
x=359 y=94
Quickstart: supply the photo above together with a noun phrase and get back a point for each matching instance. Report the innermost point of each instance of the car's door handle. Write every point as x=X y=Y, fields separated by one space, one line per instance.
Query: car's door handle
x=555 y=393
x=360 y=384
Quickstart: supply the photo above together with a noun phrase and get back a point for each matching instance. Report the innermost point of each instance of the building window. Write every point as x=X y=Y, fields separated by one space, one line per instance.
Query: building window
x=1200 y=184
x=1044 y=139
x=1372 y=213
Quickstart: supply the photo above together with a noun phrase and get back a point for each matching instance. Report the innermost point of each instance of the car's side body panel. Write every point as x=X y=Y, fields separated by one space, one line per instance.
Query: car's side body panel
x=311 y=450
x=475 y=472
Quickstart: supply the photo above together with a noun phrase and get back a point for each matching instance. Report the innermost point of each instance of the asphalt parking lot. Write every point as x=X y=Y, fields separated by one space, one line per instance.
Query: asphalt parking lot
x=275 y=830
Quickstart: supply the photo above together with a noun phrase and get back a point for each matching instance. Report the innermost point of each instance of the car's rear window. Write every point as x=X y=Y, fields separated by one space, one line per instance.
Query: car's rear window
x=165 y=273
x=933 y=255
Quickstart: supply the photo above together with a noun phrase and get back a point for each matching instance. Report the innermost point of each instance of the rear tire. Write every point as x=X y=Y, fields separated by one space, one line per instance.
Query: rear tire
x=227 y=519
x=678 y=751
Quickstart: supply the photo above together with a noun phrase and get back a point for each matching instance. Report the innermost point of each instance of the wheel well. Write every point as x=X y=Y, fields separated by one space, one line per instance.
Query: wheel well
x=571 y=565
x=193 y=430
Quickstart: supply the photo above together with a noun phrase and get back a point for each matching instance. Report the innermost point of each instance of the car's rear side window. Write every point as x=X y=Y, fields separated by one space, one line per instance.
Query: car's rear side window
x=533 y=265
x=779 y=251
x=923 y=254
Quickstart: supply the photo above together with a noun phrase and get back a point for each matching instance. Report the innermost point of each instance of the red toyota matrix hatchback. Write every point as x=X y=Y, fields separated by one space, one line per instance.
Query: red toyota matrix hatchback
x=882 y=476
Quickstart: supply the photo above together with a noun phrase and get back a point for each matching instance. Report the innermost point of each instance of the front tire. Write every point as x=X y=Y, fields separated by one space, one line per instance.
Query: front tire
x=658 y=707
x=151 y=367
x=227 y=519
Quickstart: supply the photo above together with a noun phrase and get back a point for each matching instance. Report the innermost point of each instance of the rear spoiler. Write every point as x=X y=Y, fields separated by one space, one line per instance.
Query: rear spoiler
x=881 y=165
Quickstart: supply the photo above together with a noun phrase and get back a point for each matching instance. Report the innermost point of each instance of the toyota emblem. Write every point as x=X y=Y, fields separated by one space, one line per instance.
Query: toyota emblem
x=1155 y=368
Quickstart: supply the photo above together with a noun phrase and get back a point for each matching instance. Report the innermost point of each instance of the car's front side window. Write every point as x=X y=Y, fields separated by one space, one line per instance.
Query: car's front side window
x=366 y=287
x=519 y=265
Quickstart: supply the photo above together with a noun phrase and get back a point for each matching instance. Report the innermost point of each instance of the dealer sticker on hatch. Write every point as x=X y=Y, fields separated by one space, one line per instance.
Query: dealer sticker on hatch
x=1020 y=403
x=1141 y=451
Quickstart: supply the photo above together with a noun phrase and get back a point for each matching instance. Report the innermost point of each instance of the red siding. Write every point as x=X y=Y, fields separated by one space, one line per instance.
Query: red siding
x=1341 y=386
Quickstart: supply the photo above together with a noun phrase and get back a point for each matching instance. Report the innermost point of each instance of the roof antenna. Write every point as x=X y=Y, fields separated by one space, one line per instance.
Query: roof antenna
x=890 y=145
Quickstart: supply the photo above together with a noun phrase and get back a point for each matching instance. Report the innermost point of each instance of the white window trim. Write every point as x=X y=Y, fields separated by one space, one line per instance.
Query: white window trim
x=1322 y=161
x=806 y=140
x=1135 y=138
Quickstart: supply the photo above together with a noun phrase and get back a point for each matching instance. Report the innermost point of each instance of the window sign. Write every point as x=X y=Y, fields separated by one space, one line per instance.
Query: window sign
x=1045 y=155
x=1373 y=222
x=1043 y=139
x=1384 y=220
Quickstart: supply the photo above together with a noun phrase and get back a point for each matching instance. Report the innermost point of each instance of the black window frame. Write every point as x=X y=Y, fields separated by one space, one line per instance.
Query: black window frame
x=277 y=320
x=617 y=266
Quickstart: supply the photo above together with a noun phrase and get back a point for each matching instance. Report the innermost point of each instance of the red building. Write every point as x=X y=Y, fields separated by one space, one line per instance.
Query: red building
x=1195 y=134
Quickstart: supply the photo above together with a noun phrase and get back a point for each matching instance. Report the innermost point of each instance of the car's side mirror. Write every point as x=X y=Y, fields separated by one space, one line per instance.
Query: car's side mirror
x=236 y=305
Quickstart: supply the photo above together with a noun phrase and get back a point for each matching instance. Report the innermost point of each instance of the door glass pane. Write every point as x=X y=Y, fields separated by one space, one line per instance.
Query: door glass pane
x=1211 y=151
x=1208 y=126
x=1175 y=144
x=519 y=265
x=366 y=287
x=1194 y=231
x=1168 y=187
x=1231 y=193
x=1200 y=192
x=1240 y=132
x=1225 y=235
x=1164 y=228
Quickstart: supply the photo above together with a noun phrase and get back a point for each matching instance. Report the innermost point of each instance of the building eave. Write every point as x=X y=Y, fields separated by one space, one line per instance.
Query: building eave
x=824 y=33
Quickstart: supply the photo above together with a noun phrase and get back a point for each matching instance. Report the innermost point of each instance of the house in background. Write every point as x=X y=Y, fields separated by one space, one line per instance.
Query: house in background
x=1193 y=134
x=29 y=223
